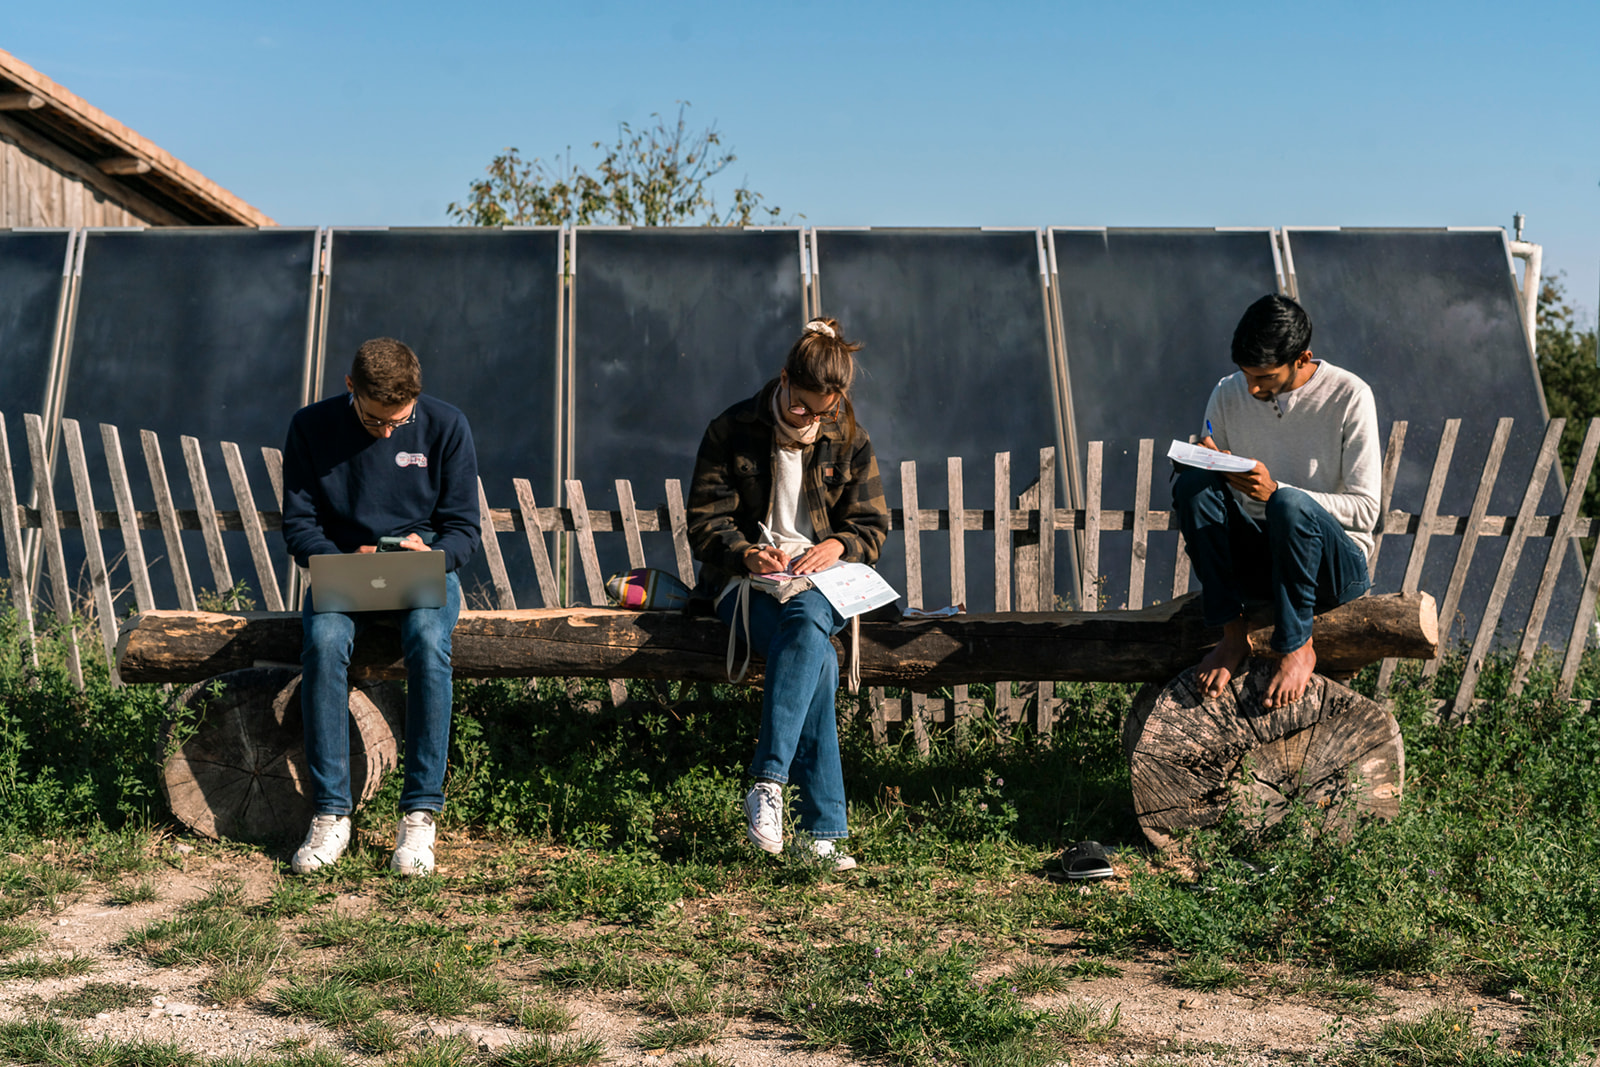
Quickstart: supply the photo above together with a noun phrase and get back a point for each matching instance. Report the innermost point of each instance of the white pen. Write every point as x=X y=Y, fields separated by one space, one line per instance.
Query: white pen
x=766 y=534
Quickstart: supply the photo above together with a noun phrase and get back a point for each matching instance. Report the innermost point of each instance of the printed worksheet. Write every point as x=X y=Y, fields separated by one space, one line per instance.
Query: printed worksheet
x=1208 y=458
x=853 y=588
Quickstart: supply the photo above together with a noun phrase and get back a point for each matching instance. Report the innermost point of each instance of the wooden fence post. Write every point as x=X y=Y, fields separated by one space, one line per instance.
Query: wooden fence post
x=61 y=591
x=16 y=561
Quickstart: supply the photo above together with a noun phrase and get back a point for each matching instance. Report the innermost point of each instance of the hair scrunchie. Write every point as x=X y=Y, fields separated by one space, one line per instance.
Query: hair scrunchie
x=818 y=326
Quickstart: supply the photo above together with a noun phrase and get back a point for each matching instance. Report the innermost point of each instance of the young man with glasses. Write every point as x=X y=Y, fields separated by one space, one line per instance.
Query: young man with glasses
x=380 y=460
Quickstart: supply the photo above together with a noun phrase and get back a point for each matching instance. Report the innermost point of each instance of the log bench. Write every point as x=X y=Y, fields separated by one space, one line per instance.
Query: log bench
x=242 y=772
x=1148 y=645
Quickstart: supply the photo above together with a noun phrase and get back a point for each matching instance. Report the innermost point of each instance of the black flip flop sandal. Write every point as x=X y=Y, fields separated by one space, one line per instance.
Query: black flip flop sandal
x=1086 y=861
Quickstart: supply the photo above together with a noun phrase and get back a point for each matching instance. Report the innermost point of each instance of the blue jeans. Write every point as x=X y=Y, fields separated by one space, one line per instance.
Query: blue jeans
x=799 y=731
x=325 y=702
x=1299 y=557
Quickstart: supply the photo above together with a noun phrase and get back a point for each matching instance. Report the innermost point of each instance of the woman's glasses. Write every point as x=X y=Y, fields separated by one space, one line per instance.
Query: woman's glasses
x=801 y=410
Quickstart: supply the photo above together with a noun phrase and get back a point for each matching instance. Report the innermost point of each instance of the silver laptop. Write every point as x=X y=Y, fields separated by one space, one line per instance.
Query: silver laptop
x=377 y=581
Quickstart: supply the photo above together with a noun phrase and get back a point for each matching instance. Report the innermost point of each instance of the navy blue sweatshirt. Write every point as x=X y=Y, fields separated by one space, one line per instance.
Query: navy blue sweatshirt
x=344 y=488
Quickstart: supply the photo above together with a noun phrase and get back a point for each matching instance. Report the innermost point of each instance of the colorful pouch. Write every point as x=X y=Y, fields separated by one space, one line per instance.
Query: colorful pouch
x=647 y=589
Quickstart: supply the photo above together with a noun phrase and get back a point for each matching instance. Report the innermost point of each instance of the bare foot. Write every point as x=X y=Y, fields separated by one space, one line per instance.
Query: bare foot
x=1219 y=666
x=1291 y=678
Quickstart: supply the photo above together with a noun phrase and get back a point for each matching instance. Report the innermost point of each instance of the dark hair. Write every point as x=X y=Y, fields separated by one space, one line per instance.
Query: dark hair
x=1273 y=331
x=822 y=361
x=386 y=372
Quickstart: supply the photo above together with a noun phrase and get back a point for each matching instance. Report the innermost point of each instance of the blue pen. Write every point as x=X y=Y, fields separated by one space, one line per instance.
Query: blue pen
x=1208 y=427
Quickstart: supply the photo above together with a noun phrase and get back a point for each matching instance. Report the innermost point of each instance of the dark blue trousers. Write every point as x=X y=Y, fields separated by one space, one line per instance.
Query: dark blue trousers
x=1299 y=557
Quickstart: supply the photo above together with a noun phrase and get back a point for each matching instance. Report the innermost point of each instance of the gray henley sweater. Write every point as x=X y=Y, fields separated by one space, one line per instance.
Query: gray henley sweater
x=1321 y=438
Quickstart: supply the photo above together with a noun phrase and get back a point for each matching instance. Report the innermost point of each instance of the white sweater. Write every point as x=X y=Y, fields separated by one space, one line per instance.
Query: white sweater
x=1321 y=438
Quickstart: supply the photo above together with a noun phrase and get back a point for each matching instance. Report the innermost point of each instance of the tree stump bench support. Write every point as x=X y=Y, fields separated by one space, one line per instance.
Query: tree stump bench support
x=1194 y=759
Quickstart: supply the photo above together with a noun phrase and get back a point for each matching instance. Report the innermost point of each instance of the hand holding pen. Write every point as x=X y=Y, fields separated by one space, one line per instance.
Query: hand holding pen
x=765 y=557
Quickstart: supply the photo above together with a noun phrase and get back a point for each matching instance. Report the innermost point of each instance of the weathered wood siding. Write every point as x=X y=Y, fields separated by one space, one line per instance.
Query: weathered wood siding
x=34 y=193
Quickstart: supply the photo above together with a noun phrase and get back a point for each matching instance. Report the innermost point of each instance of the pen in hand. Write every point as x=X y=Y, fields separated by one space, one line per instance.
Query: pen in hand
x=768 y=551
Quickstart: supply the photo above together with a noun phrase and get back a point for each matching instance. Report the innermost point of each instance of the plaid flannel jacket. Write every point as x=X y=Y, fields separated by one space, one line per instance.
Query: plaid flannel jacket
x=732 y=489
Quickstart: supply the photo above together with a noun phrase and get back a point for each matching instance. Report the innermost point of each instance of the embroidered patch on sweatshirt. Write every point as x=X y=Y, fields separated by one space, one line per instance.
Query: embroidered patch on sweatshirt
x=410 y=459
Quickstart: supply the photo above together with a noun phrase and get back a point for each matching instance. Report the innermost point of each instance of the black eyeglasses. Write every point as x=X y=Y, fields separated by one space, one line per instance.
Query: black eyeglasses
x=381 y=424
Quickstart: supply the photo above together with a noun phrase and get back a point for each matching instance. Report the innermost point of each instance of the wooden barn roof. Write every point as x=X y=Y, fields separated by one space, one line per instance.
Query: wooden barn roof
x=70 y=134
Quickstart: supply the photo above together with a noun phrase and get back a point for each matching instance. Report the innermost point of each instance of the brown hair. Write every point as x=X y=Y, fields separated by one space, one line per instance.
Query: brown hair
x=386 y=372
x=822 y=361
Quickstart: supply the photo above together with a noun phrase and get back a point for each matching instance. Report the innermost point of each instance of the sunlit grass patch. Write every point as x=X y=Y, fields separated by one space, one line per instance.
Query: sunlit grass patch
x=40 y=887
x=291 y=898
x=602 y=965
x=448 y=1052
x=15 y=936
x=1438 y=1037
x=1205 y=973
x=543 y=1016
x=680 y=1034
x=1090 y=969
x=332 y=1000
x=551 y=1052
x=375 y=932
x=1349 y=992
x=32 y=1041
x=441 y=980
x=225 y=894
x=233 y=982
x=143 y=891
x=909 y=1004
x=40 y=967
x=377 y=1036
x=96 y=997
x=1083 y=1020
x=1033 y=976
x=675 y=990
x=114 y=855
x=207 y=937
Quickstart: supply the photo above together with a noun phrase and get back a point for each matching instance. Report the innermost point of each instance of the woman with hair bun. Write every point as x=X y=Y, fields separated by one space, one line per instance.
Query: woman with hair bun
x=786 y=481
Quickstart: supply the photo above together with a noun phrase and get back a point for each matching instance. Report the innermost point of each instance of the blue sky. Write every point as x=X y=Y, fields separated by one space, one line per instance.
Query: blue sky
x=1354 y=114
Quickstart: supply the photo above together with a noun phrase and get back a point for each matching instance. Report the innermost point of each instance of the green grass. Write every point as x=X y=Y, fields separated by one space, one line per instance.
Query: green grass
x=1205 y=973
x=551 y=1052
x=446 y=1053
x=141 y=892
x=52 y=1043
x=619 y=869
x=906 y=1002
x=213 y=938
x=1034 y=976
x=40 y=967
x=96 y=997
x=15 y=936
x=334 y=1001
x=1084 y=1021
x=376 y=1037
x=543 y=1016
x=680 y=1034
x=236 y=981
x=1439 y=1037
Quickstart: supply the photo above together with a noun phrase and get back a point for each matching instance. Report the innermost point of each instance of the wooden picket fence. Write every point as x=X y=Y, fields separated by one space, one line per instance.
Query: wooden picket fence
x=1025 y=565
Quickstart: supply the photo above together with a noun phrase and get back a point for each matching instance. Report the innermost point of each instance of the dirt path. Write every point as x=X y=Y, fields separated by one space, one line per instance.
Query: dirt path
x=1157 y=1022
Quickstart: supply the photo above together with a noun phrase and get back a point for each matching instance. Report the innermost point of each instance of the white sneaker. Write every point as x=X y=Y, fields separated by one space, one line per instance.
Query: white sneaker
x=413 y=844
x=823 y=853
x=763 y=816
x=325 y=842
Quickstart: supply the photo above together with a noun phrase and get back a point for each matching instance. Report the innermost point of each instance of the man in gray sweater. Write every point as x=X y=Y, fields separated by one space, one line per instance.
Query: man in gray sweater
x=1297 y=528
